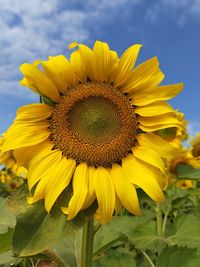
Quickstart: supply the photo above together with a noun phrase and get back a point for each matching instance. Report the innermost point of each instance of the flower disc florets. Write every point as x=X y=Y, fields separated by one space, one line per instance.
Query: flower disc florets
x=94 y=123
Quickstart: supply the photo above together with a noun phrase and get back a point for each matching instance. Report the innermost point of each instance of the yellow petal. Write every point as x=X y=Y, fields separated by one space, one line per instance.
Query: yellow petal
x=58 y=69
x=141 y=75
x=126 y=191
x=40 y=81
x=105 y=194
x=42 y=165
x=42 y=171
x=72 y=45
x=61 y=176
x=118 y=204
x=91 y=192
x=23 y=135
x=24 y=155
x=34 y=112
x=141 y=174
x=126 y=64
x=78 y=66
x=152 y=94
x=150 y=156
x=158 y=144
x=86 y=55
x=169 y=119
x=28 y=83
x=156 y=108
x=101 y=62
x=80 y=190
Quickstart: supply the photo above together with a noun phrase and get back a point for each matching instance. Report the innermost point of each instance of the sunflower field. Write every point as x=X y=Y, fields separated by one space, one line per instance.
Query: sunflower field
x=101 y=170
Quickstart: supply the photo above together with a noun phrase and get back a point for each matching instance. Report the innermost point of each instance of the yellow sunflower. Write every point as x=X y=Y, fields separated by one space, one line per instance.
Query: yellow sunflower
x=186 y=158
x=195 y=148
x=175 y=135
x=95 y=128
x=8 y=160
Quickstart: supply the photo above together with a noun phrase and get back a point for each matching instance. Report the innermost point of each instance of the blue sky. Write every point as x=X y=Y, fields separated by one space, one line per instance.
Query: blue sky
x=35 y=29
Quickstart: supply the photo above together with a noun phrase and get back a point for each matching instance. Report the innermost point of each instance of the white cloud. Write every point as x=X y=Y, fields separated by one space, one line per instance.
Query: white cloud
x=180 y=10
x=35 y=29
x=193 y=127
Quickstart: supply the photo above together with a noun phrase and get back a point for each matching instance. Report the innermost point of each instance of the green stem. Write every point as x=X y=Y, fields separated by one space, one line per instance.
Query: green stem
x=148 y=258
x=87 y=244
x=165 y=220
x=159 y=219
x=25 y=262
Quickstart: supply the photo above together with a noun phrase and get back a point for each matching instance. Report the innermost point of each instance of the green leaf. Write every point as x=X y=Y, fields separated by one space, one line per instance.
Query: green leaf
x=63 y=252
x=6 y=241
x=107 y=236
x=117 y=231
x=176 y=257
x=187 y=172
x=116 y=258
x=36 y=230
x=7 y=218
x=44 y=99
x=186 y=232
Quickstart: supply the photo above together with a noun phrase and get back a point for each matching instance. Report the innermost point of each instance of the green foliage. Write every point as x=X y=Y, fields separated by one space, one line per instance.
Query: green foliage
x=187 y=172
x=177 y=257
x=187 y=231
x=7 y=218
x=36 y=230
x=116 y=258
x=126 y=240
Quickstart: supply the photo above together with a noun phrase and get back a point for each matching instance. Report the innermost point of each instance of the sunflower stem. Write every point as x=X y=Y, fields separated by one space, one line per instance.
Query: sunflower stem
x=87 y=244
x=159 y=219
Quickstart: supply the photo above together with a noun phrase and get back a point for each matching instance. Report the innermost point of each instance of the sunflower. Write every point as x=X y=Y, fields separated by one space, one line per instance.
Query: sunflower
x=175 y=135
x=195 y=148
x=8 y=160
x=95 y=129
x=183 y=158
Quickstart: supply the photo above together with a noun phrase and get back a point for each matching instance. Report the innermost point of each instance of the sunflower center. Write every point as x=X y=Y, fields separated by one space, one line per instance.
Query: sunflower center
x=196 y=150
x=94 y=123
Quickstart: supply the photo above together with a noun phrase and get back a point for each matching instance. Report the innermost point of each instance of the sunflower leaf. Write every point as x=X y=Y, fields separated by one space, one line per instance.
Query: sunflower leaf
x=7 y=218
x=186 y=232
x=187 y=172
x=116 y=258
x=177 y=257
x=36 y=230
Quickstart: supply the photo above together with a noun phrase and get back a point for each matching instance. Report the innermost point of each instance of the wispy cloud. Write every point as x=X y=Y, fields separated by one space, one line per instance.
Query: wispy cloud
x=193 y=127
x=180 y=10
x=35 y=29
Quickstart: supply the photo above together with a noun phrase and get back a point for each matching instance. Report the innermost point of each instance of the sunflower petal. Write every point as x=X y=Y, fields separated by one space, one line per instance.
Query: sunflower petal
x=24 y=135
x=141 y=75
x=150 y=156
x=86 y=55
x=78 y=66
x=40 y=81
x=125 y=191
x=105 y=194
x=42 y=165
x=91 y=192
x=152 y=94
x=101 y=61
x=169 y=119
x=34 y=112
x=80 y=189
x=126 y=64
x=58 y=69
x=61 y=177
x=158 y=144
x=142 y=175
x=156 y=108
